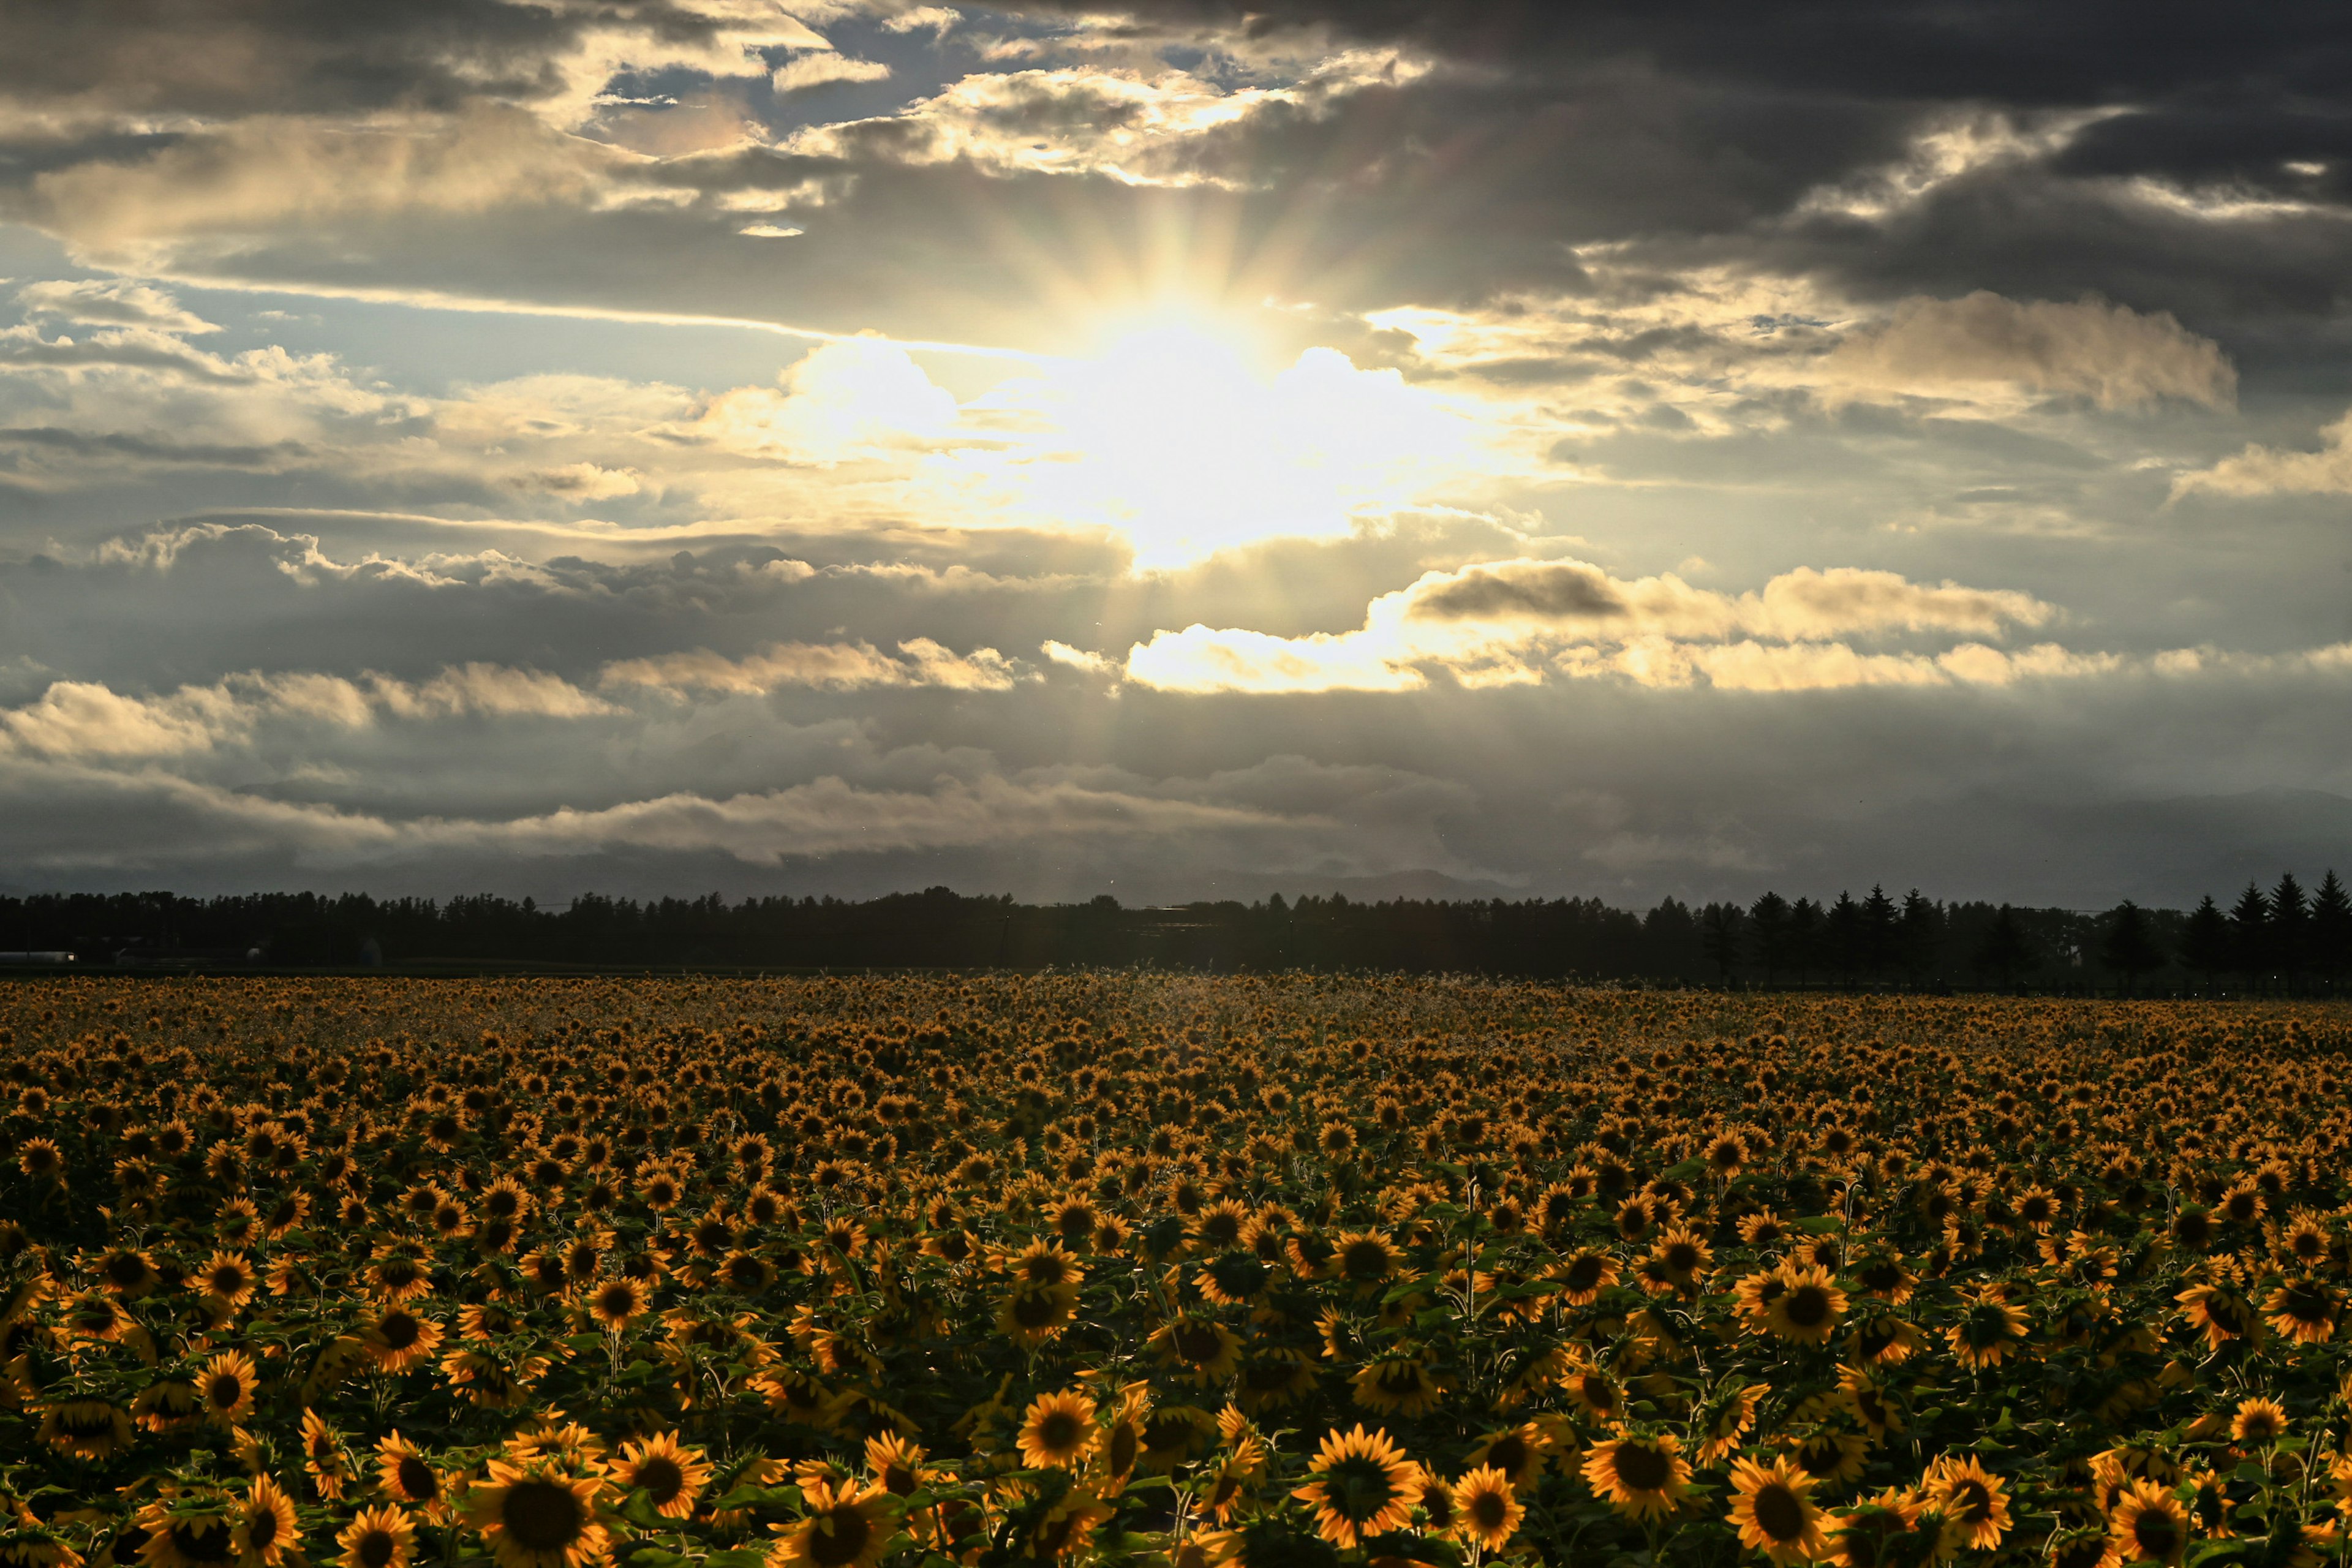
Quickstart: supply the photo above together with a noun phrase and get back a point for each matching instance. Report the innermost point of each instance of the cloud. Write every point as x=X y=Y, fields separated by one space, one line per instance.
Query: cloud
x=839 y=666
x=1504 y=623
x=2261 y=470
x=110 y=302
x=816 y=68
x=847 y=399
x=84 y=720
x=2110 y=354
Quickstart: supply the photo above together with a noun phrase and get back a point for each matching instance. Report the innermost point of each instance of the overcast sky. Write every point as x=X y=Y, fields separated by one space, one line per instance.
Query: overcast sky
x=1609 y=449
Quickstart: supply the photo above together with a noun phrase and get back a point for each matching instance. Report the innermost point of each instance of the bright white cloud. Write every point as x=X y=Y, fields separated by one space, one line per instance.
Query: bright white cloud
x=2261 y=470
x=1500 y=623
x=2110 y=354
x=831 y=666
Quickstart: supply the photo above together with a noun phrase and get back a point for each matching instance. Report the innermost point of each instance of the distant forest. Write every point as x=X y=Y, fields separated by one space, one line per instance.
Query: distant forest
x=2285 y=940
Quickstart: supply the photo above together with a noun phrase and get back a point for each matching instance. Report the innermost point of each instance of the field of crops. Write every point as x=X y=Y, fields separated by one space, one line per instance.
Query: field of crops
x=1165 y=1270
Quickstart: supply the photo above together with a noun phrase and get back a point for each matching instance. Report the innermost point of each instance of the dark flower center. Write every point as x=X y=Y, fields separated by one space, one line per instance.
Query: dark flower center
x=1644 y=1469
x=541 y=1516
x=1780 y=1512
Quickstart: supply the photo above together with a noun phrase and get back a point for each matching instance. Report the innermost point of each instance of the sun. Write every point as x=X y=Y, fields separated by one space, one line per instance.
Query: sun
x=1179 y=432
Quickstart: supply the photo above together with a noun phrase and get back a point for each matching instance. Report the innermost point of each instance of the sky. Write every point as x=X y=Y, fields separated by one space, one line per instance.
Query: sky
x=1179 y=450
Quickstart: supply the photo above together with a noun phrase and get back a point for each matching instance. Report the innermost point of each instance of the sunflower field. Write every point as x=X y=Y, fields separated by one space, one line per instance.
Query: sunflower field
x=1168 y=1270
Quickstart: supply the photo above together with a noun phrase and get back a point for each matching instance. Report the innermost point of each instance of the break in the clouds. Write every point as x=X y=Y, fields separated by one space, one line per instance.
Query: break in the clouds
x=1173 y=448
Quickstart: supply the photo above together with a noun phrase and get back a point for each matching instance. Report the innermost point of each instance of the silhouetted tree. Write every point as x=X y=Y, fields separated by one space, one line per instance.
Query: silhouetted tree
x=1919 y=935
x=1842 y=937
x=2331 y=929
x=2250 y=935
x=2004 y=953
x=2290 y=930
x=1719 y=935
x=1880 y=919
x=2205 y=943
x=1768 y=934
x=2127 y=947
x=1805 y=938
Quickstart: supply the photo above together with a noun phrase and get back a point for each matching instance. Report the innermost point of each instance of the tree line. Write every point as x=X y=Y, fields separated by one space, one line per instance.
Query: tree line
x=2283 y=939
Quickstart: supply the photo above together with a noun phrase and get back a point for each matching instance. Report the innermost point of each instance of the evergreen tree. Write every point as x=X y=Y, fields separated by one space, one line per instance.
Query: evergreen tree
x=2290 y=930
x=1805 y=926
x=2004 y=953
x=2331 y=929
x=1767 y=934
x=1842 y=937
x=1919 y=935
x=2128 y=946
x=1880 y=919
x=1719 y=935
x=2250 y=935
x=2205 y=946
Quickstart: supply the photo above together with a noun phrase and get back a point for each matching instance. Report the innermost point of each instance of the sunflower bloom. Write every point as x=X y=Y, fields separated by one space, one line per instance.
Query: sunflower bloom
x=2148 y=1523
x=847 y=1527
x=1359 y=1486
x=670 y=1474
x=1641 y=1477
x=1772 y=1508
x=1058 y=1432
x=1485 y=1510
x=536 y=1516
x=378 y=1537
x=1972 y=1498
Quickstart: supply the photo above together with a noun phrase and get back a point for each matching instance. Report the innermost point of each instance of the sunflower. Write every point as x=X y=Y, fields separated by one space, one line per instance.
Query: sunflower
x=267 y=1525
x=1364 y=1258
x=2220 y=1312
x=129 y=1272
x=1273 y=1377
x=2258 y=1421
x=1681 y=1256
x=1208 y=1349
x=1988 y=1331
x=167 y=1405
x=1360 y=1485
x=896 y=1463
x=182 y=1538
x=322 y=1456
x=2147 y=1524
x=1518 y=1452
x=1873 y=1400
x=2304 y=1311
x=1043 y=1266
x=1881 y=1338
x=1067 y=1525
x=846 y=1526
x=1724 y=1419
x=1874 y=1533
x=535 y=1516
x=1640 y=1477
x=1592 y=1389
x=404 y=1475
x=1487 y=1509
x=1972 y=1499
x=670 y=1474
x=225 y=1386
x=1058 y=1432
x=227 y=1281
x=1881 y=1274
x=87 y=1429
x=1806 y=1308
x=399 y=1338
x=1772 y=1508
x=376 y=1538
x=618 y=1302
x=1030 y=1317
x=1584 y=1276
x=1398 y=1384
